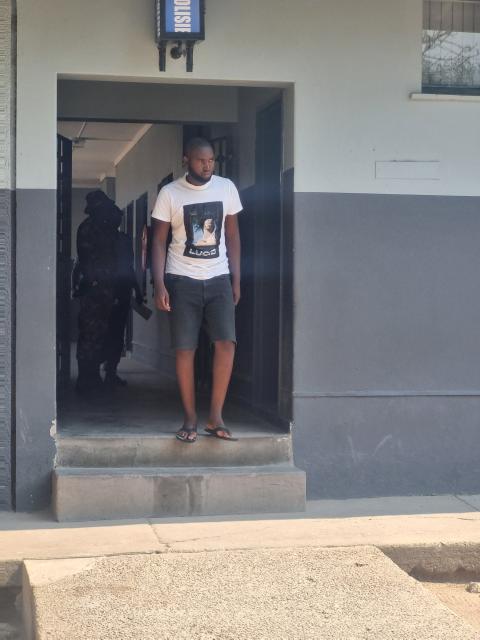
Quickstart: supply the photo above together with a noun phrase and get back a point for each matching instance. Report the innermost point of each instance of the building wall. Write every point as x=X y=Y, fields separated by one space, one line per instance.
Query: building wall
x=386 y=202
x=387 y=346
x=7 y=208
x=354 y=67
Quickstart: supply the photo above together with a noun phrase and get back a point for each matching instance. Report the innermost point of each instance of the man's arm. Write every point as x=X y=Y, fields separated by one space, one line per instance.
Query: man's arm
x=159 y=254
x=232 y=241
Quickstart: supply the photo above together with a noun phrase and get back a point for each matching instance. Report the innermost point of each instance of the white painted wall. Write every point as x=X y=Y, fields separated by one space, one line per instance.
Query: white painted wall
x=156 y=155
x=354 y=65
x=7 y=78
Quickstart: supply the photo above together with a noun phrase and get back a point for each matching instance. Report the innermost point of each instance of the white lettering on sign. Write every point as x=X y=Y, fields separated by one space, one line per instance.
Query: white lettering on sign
x=183 y=16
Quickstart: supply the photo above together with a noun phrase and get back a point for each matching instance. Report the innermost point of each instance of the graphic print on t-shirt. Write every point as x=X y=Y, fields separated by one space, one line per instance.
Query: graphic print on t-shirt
x=203 y=226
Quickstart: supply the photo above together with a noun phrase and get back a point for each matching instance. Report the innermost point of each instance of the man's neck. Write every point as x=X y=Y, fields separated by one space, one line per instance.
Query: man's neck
x=196 y=180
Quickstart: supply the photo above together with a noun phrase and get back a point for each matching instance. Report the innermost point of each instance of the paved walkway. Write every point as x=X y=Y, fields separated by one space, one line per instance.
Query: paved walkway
x=321 y=574
x=388 y=523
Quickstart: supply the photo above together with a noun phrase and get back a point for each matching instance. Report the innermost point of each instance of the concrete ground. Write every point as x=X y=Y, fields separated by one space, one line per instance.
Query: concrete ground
x=349 y=593
x=396 y=522
x=340 y=570
x=328 y=570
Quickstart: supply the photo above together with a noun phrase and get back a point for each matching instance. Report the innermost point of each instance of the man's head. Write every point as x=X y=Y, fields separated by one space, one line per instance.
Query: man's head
x=199 y=160
x=96 y=200
x=103 y=209
x=209 y=225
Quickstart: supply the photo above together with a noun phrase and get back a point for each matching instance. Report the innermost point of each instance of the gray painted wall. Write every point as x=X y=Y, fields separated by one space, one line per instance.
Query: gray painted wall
x=35 y=346
x=7 y=207
x=7 y=214
x=387 y=344
x=146 y=102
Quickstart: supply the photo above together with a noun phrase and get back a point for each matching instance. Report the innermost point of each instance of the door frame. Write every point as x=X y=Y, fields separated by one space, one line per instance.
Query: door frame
x=35 y=357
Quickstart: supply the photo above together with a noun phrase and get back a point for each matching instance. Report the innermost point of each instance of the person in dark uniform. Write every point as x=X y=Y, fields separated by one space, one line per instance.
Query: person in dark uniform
x=97 y=248
x=124 y=283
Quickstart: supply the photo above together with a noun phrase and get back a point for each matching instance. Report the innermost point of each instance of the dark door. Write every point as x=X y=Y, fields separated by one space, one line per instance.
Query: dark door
x=64 y=257
x=268 y=258
x=129 y=213
x=141 y=219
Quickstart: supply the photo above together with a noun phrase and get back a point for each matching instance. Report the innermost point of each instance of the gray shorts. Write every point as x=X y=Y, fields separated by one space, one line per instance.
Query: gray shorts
x=196 y=302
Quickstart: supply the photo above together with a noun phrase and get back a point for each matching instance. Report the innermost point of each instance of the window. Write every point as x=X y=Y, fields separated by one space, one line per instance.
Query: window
x=451 y=46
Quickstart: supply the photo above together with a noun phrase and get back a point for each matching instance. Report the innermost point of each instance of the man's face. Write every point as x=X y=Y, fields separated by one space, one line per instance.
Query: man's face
x=209 y=225
x=201 y=163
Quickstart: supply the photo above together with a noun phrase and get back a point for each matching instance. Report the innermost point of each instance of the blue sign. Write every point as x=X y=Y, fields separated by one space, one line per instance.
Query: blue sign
x=182 y=16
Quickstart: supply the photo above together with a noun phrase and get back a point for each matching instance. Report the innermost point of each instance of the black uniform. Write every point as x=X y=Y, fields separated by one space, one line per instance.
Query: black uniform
x=97 y=245
x=124 y=282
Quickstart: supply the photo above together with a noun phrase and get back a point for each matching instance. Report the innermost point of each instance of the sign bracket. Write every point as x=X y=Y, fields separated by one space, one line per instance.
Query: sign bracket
x=182 y=22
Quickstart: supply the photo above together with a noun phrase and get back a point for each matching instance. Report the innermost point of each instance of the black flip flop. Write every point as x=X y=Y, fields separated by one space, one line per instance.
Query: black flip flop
x=188 y=431
x=214 y=433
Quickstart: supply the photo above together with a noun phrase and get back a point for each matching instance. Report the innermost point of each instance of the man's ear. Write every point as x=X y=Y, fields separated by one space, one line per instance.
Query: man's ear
x=185 y=162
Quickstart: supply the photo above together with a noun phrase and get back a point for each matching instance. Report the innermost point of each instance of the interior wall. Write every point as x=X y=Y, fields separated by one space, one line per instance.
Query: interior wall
x=108 y=186
x=154 y=157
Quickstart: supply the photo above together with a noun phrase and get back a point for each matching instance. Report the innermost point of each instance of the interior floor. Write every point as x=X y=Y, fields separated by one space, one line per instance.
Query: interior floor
x=149 y=404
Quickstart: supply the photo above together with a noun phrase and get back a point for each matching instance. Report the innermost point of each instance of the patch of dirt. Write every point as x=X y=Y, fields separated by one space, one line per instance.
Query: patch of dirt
x=455 y=596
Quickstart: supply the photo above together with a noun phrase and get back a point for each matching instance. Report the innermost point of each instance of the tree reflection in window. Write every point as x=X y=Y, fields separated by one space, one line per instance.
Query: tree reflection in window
x=451 y=46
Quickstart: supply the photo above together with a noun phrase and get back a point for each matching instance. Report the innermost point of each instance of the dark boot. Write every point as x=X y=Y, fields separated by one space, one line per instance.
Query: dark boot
x=89 y=380
x=112 y=380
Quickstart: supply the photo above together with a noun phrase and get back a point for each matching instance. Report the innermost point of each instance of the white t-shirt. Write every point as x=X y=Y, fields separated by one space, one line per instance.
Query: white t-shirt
x=197 y=216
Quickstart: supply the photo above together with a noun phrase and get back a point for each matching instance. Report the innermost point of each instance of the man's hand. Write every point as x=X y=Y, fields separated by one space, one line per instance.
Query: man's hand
x=162 y=299
x=236 y=291
x=232 y=241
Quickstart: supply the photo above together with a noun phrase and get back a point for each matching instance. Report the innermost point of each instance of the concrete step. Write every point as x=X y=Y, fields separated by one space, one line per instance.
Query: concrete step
x=107 y=493
x=164 y=450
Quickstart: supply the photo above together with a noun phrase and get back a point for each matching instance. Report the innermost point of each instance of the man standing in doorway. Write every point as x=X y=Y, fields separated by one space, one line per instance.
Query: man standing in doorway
x=97 y=239
x=198 y=281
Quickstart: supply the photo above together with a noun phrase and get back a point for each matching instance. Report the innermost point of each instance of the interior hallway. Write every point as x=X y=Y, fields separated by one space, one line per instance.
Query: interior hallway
x=149 y=404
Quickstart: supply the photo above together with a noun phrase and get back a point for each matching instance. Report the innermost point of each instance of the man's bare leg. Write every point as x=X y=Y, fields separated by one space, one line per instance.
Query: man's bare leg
x=222 y=372
x=184 y=360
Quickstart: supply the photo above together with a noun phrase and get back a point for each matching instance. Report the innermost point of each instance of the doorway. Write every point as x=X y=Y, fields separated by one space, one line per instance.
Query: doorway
x=149 y=402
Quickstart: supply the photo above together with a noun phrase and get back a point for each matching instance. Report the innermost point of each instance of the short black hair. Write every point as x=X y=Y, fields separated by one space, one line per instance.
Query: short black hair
x=196 y=143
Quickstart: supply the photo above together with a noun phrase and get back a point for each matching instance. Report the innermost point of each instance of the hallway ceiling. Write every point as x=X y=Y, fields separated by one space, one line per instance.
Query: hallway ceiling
x=98 y=146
